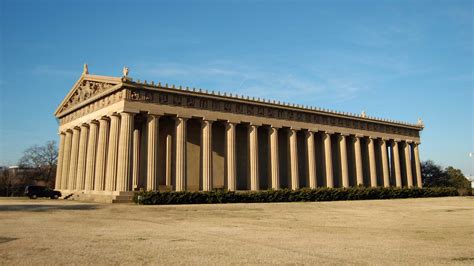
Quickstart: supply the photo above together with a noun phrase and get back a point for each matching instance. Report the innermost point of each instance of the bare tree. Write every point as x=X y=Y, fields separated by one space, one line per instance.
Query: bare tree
x=43 y=159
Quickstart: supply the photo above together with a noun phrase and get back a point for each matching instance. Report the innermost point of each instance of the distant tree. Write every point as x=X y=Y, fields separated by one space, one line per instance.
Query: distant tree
x=6 y=183
x=433 y=175
x=43 y=160
x=458 y=180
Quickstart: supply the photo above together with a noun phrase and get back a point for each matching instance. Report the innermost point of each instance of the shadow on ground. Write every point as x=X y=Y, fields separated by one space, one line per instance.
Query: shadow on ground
x=47 y=207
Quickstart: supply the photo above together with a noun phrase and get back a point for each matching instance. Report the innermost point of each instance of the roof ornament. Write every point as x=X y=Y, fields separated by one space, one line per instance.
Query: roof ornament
x=125 y=72
x=86 y=70
x=363 y=114
x=419 y=122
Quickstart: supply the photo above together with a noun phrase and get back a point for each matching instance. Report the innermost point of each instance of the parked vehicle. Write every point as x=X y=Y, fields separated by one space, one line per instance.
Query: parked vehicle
x=34 y=192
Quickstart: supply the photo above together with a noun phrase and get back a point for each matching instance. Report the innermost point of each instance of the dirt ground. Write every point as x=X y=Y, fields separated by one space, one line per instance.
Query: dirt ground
x=407 y=231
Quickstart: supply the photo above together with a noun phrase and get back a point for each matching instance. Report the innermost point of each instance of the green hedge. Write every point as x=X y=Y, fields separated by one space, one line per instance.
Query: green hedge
x=286 y=195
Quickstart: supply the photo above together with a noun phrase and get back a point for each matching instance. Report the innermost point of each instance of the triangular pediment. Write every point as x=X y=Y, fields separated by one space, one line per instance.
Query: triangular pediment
x=86 y=88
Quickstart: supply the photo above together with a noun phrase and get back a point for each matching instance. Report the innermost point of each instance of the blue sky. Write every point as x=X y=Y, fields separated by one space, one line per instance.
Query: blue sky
x=394 y=59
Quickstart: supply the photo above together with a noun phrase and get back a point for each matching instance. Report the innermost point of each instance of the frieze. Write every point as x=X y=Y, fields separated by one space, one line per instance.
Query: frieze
x=94 y=106
x=262 y=111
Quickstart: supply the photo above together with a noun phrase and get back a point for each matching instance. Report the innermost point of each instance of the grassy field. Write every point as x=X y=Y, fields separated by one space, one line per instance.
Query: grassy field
x=403 y=231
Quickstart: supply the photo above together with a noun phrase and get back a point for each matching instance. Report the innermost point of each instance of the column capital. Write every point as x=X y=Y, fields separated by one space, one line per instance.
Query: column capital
x=180 y=118
x=359 y=136
x=328 y=132
x=344 y=134
x=62 y=132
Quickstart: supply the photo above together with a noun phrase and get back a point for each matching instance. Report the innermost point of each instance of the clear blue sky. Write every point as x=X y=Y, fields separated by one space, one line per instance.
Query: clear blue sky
x=394 y=59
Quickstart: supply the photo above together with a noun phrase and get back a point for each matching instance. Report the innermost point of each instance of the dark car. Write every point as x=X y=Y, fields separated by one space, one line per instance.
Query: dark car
x=41 y=192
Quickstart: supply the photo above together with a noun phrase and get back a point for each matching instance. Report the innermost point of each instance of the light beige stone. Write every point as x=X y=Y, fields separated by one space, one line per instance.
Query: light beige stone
x=344 y=163
x=328 y=160
x=253 y=152
x=311 y=159
x=91 y=156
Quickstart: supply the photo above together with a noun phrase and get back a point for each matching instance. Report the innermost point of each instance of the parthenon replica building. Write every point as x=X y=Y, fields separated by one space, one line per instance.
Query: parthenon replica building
x=118 y=135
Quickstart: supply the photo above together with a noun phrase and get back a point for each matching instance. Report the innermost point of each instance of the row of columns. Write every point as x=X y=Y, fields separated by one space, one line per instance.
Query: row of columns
x=104 y=155
x=97 y=155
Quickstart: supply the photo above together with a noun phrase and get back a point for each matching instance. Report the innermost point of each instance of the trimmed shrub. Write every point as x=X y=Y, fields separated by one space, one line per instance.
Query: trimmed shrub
x=286 y=195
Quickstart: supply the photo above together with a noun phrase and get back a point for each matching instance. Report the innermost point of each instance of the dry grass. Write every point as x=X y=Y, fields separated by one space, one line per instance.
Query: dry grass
x=408 y=231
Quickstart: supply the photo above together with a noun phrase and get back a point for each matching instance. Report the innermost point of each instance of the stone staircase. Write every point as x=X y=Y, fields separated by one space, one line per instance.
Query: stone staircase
x=122 y=197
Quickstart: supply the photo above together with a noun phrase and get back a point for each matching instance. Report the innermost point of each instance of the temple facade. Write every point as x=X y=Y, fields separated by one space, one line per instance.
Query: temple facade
x=117 y=135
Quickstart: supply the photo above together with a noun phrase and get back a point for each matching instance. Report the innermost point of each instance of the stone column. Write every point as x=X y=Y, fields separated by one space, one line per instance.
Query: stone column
x=136 y=158
x=91 y=156
x=230 y=156
x=358 y=161
x=82 y=155
x=311 y=159
x=343 y=156
x=180 y=154
x=102 y=142
x=169 y=144
x=253 y=148
x=206 y=133
x=59 y=168
x=385 y=169
x=372 y=163
x=111 y=172
x=275 y=171
x=125 y=152
x=66 y=160
x=408 y=164
x=328 y=160
x=152 y=150
x=419 y=180
x=74 y=154
x=396 y=162
x=294 y=159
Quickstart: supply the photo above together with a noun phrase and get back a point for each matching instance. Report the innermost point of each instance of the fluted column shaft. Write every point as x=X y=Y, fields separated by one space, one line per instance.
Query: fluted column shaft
x=408 y=164
x=358 y=161
x=385 y=169
x=111 y=172
x=136 y=158
x=180 y=154
x=99 y=182
x=206 y=133
x=59 y=168
x=372 y=163
x=253 y=152
x=328 y=160
x=311 y=159
x=294 y=159
x=343 y=157
x=66 y=160
x=396 y=162
x=91 y=155
x=73 y=163
x=275 y=171
x=169 y=143
x=419 y=180
x=82 y=155
x=230 y=156
x=125 y=152
x=152 y=150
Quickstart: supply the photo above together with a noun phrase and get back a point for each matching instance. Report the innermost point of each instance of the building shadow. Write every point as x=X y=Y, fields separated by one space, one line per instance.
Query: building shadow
x=47 y=207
